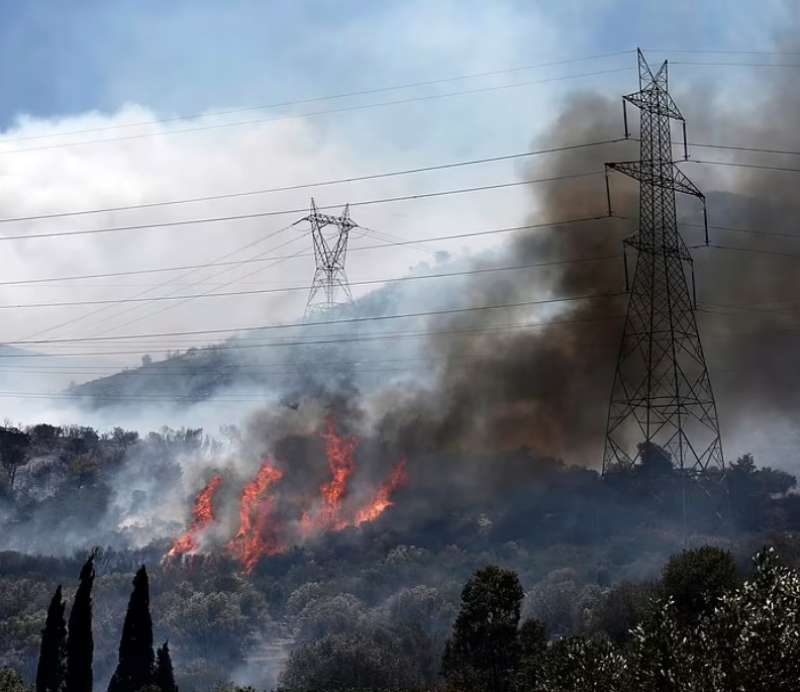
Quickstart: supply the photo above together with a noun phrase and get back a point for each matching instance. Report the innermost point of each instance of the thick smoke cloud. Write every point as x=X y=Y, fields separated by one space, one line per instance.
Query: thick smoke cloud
x=547 y=388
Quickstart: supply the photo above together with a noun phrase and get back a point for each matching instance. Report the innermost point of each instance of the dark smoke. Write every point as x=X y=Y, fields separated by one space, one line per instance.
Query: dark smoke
x=547 y=388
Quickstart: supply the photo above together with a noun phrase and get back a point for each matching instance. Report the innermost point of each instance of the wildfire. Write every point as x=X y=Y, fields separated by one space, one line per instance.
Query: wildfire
x=262 y=532
x=383 y=498
x=257 y=537
x=339 y=451
x=202 y=516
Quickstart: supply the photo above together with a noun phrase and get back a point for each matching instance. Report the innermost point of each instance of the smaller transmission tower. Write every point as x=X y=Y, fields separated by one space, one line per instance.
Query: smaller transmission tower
x=330 y=234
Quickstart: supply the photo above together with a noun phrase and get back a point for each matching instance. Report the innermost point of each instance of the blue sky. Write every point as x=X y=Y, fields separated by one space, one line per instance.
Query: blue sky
x=59 y=58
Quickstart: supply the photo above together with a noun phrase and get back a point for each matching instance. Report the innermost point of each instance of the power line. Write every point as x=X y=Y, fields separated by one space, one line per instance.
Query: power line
x=178 y=304
x=219 y=258
x=214 y=275
x=332 y=111
x=786 y=306
x=328 y=97
x=735 y=64
x=732 y=147
x=734 y=164
x=318 y=323
x=287 y=289
x=719 y=52
x=156 y=270
x=749 y=231
x=327 y=341
x=388 y=174
x=319 y=183
x=751 y=250
x=283 y=367
x=283 y=212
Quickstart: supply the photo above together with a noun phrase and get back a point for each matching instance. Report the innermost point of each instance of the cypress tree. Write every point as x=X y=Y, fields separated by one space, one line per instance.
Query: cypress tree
x=135 y=667
x=164 y=677
x=52 y=655
x=80 y=645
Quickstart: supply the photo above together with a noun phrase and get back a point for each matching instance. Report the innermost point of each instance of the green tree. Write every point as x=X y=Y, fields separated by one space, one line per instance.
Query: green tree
x=164 y=678
x=136 y=660
x=696 y=579
x=51 y=669
x=483 y=651
x=80 y=644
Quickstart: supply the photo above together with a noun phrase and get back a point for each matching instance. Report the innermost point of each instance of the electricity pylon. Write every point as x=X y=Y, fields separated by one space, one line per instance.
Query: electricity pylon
x=662 y=392
x=330 y=234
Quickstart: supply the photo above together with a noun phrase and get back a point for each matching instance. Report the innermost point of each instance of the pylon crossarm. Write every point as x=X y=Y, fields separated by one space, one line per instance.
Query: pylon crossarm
x=660 y=105
x=329 y=220
x=640 y=245
x=684 y=185
x=664 y=174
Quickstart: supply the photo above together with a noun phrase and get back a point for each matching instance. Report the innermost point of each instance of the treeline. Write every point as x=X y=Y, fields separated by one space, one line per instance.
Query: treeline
x=66 y=652
x=83 y=451
x=705 y=630
x=701 y=628
x=379 y=602
x=703 y=625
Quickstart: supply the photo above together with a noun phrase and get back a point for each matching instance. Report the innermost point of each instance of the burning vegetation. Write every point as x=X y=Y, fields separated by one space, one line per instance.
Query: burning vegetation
x=257 y=536
x=264 y=531
x=202 y=516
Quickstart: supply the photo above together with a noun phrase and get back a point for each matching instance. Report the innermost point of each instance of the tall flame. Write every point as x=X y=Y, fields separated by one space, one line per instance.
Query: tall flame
x=257 y=536
x=339 y=452
x=383 y=497
x=261 y=535
x=202 y=516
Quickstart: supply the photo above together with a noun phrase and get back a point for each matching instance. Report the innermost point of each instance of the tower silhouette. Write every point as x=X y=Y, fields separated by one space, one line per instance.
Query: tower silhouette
x=330 y=235
x=661 y=395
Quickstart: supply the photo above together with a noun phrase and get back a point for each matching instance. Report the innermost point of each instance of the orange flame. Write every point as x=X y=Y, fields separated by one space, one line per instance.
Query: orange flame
x=256 y=537
x=260 y=535
x=383 y=498
x=339 y=451
x=202 y=516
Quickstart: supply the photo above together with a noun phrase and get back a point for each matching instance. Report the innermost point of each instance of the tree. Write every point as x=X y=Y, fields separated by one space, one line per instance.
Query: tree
x=163 y=678
x=695 y=580
x=656 y=461
x=625 y=606
x=532 y=639
x=13 y=451
x=749 y=641
x=50 y=672
x=80 y=644
x=576 y=664
x=11 y=681
x=136 y=660
x=345 y=662
x=483 y=651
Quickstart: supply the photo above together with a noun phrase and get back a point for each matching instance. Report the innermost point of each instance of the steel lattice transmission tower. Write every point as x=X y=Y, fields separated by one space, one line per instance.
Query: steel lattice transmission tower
x=330 y=234
x=662 y=392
